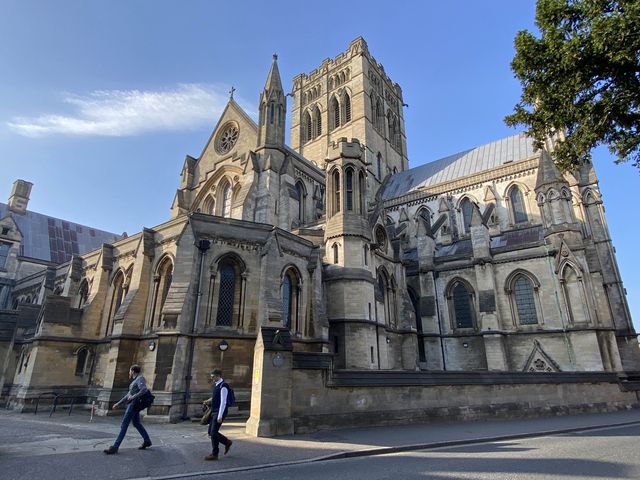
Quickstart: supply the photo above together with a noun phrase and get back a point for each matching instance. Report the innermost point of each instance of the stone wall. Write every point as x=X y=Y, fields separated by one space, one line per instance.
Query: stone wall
x=362 y=399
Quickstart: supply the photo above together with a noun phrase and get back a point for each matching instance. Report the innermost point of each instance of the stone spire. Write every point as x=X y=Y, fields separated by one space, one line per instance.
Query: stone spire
x=553 y=196
x=548 y=173
x=273 y=107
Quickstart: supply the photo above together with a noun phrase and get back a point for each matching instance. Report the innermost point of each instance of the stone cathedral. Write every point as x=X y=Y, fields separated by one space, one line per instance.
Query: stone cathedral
x=328 y=279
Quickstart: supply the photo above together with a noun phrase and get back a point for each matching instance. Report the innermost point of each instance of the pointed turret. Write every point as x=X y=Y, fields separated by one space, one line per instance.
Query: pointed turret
x=548 y=173
x=554 y=199
x=273 y=106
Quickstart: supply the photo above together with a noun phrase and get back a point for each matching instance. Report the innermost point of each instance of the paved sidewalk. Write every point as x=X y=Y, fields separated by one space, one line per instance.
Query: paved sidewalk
x=70 y=447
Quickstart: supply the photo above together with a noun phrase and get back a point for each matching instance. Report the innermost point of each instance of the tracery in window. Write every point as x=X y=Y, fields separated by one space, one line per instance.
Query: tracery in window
x=227 y=193
x=227 y=138
x=523 y=293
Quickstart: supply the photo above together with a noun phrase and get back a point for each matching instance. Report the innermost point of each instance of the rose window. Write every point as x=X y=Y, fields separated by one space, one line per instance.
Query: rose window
x=227 y=139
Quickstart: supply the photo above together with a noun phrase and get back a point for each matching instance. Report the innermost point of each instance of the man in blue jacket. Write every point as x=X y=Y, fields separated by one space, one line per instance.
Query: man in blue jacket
x=218 y=413
x=137 y=388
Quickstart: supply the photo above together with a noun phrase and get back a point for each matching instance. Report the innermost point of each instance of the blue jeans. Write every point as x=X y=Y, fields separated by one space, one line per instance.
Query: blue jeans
x=130 y=415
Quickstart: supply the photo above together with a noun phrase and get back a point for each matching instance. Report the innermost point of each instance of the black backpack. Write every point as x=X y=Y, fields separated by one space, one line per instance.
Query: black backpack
x=231 y=395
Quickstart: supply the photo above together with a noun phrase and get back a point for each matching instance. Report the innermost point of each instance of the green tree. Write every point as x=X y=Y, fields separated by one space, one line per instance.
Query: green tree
x=582 y=78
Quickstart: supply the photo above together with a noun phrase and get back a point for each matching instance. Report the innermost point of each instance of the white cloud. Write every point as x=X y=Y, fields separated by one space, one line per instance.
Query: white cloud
x=130 y=112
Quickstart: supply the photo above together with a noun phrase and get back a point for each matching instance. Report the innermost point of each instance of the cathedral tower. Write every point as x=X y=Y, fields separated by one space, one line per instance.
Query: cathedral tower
x=349 y=278
x=350 y=96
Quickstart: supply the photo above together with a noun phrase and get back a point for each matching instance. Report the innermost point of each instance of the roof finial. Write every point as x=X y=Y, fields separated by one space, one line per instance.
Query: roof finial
x=275 y=57
x=233 y=89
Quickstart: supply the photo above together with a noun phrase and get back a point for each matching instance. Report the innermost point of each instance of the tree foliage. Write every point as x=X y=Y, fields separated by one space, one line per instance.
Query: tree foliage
x=581 y=78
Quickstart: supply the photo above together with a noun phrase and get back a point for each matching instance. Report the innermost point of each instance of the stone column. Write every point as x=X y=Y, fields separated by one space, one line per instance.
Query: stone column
x=271 y=389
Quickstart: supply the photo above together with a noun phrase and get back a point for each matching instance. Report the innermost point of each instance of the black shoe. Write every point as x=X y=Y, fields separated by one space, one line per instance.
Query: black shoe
x=145 y=445
x=227 y=447
x=111 y=450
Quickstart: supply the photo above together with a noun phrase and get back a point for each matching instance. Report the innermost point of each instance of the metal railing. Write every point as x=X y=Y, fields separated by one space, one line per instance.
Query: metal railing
x=56 y=398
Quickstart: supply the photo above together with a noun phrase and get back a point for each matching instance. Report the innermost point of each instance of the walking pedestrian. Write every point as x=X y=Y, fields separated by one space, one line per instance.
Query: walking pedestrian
x=219 y=408
x=137 y=388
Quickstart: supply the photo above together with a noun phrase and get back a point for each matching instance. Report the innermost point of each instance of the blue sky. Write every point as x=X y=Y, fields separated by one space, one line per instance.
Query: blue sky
x=101 y=101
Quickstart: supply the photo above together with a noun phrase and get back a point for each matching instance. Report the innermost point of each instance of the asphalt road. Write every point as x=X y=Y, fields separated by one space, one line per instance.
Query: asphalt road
x=607 y=453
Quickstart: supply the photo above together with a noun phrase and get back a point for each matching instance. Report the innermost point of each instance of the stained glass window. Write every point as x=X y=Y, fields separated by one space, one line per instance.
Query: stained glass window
x=523 y=292
x=226 y=296
x=462 y=306
x=517 y=205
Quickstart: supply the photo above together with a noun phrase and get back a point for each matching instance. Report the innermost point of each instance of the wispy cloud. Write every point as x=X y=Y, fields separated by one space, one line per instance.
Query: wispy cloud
x=129 y=112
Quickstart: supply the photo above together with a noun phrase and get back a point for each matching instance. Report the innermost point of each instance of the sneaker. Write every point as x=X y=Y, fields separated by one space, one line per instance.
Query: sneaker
x=145 y=445
x=211 y=456
x=227 y=447
x=111 y=450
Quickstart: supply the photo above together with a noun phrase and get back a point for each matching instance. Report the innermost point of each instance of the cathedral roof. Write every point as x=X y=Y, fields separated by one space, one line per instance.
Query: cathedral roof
x=485 y=157
x=55 y=240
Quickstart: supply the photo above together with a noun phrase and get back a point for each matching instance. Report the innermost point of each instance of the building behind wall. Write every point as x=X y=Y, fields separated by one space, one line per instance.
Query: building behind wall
x=336 y=276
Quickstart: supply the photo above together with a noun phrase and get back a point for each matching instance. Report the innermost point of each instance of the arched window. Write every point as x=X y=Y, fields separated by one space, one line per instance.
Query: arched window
x=226 y=295
x=379 y=164
x=523 y=295
x=290 y=300
x=117 y=293
x=379 y=115
x=286 y=301
x=385 y=297
x=467 y=209
x=336 y=258
x=517 y=205
x=162 y=284
x=372 y=98
x=81 y=361
x=226 y=200
x=301 y=201
x=346 y=108
x=307 y=127
x=336 y=191
x=334 y=113
x=271 y=112
x=83 y=293
x=461 y=305
x=209 y=205
x=349 y=189
x=317 y=121
x=574 y=295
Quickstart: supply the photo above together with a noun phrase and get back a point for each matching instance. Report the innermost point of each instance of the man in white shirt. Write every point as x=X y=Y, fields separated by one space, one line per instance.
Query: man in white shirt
x=219 y=410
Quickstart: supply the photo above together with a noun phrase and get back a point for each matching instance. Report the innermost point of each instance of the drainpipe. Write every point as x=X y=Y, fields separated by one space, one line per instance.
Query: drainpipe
x=203 y=246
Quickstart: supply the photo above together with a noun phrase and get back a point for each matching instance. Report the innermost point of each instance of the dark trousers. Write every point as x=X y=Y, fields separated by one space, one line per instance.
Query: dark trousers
x=216 y=437
x=130 y=415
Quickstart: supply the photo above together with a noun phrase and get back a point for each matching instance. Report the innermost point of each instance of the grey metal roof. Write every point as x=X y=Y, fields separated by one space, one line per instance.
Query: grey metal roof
x=485 y=157
x=55 y=240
